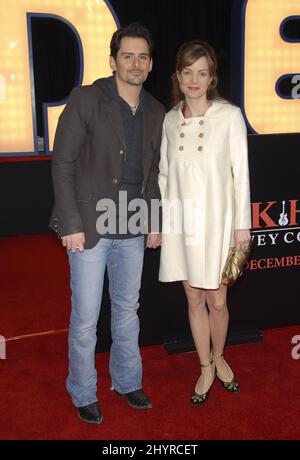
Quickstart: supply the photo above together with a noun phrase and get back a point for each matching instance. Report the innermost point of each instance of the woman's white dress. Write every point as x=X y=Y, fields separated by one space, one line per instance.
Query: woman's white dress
x=204 y=183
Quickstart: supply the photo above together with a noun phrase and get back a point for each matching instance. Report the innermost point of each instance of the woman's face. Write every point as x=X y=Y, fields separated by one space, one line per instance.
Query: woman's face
x=195 y=79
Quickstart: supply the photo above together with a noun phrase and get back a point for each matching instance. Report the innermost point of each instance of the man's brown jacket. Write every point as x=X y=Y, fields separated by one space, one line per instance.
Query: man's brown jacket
x=89 y=155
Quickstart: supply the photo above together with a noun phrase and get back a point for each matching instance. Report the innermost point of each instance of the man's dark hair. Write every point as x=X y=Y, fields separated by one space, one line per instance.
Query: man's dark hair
x=134 y=30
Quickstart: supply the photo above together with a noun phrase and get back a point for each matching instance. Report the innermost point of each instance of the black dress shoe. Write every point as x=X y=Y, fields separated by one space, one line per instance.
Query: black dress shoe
x=137 y=399
x=90 y=413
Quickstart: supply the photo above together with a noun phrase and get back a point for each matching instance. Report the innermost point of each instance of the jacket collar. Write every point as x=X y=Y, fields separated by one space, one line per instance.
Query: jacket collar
x=111 y=104
x=216 y=110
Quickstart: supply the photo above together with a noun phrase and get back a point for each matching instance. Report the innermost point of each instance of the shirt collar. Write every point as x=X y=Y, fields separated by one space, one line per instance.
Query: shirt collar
x=116 y=95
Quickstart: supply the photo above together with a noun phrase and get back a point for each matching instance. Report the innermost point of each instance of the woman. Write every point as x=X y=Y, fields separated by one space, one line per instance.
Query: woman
x=204 y=182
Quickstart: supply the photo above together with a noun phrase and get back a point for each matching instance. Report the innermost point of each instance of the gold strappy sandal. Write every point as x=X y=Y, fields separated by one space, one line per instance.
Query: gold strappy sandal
x=232 y=386
x=197 y=398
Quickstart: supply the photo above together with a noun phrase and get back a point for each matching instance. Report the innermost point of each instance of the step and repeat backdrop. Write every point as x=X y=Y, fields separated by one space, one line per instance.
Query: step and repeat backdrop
x=47 y=48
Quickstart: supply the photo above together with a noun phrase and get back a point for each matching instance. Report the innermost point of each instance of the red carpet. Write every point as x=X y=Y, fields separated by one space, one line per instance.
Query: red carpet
x=35 y=405
x=34 y=280
x=33 y=400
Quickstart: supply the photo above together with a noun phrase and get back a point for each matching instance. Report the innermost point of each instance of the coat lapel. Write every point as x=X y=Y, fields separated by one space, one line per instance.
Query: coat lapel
x=113 y=113
x=148 y=126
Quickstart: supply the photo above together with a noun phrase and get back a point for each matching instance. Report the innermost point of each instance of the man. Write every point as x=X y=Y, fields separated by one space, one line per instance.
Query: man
x=107 y=141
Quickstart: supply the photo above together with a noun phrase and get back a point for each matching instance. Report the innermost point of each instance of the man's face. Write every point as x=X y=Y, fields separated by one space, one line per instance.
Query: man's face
x=133 y=62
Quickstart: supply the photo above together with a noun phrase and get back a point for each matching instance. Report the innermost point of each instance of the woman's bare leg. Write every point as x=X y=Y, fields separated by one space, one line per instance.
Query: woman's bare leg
x=218 y=323
x=199 y=323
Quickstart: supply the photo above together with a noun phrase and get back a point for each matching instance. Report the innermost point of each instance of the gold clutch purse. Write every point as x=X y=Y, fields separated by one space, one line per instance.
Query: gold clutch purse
x=235 y=264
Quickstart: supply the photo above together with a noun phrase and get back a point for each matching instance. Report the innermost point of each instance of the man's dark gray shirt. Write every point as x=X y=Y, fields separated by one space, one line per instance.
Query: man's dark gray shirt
x=132 y=177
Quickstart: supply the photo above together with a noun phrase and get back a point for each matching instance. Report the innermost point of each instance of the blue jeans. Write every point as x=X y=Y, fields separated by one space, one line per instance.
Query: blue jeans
x=124 y=261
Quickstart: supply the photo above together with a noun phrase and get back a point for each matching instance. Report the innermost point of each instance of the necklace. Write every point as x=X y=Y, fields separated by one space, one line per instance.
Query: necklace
x=134 y=108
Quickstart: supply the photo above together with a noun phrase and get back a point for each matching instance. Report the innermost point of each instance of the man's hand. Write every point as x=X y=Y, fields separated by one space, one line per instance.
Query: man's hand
x=74 y=242
x=154 y=240
x=242 y=238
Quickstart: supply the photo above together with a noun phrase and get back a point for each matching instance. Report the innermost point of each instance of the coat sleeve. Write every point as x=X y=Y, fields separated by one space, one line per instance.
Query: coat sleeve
x=69 y=138
x=153 y=191
x=163 y=164
x=240 y=171
x=152 y=186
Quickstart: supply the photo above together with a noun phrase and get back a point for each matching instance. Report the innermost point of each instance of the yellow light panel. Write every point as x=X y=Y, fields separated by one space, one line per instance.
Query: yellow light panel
x=94 y=23
x=268 y=57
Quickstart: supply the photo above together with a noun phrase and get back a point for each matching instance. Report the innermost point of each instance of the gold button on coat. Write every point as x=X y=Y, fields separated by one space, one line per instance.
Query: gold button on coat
x=181 y=147
x=200 y=147
x=181 y=134
x=115 y=180
x=122 y=152
x=201 y=122
x=201 y=135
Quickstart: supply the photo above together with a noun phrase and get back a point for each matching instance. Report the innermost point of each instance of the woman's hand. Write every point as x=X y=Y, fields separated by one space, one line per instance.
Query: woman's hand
x=242 y=239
